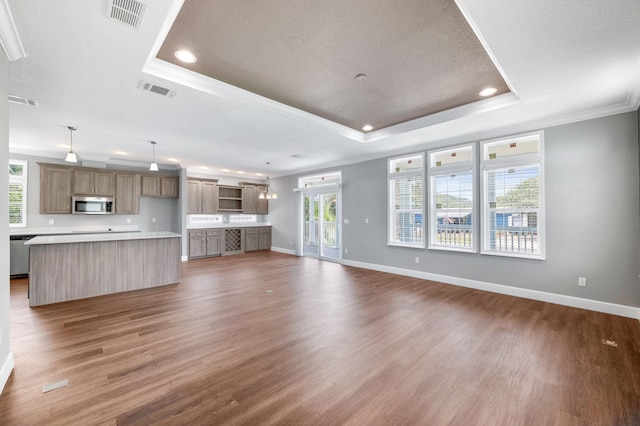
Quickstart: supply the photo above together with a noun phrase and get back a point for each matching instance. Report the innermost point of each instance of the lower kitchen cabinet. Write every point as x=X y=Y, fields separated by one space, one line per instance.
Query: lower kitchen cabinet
x=214 y=242
x=225 y=241
x=205 y=242
x=197 y=243
x=264 y=238
x=258 y=238
x=251 y=239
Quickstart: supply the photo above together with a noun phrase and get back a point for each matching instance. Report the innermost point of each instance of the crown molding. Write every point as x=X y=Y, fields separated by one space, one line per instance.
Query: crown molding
x=9 y=38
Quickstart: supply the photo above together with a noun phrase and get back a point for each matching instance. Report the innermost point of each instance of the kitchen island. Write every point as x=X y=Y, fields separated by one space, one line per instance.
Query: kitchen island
x=70 y=267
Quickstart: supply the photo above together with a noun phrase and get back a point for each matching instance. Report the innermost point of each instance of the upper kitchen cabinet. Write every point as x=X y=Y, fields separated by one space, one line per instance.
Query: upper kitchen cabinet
x=55 y=189
x=201 y=196
x=251 y=201
x=127 y=193
x=194 y=196
x=160 y=186
x=92 y=182
x=230 y=199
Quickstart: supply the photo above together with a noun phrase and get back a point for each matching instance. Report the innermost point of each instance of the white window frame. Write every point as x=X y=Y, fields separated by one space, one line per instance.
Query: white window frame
x=434 y=171
x=392 y=175
x=20 y=180
x=516 y=161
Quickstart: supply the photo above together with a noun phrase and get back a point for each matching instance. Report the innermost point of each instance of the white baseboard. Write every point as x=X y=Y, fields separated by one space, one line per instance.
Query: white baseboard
x=560 y=299
x=283 y=250
x=6 y=370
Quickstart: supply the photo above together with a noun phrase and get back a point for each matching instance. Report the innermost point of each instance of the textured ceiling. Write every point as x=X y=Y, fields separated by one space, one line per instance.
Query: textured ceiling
x=419 y=56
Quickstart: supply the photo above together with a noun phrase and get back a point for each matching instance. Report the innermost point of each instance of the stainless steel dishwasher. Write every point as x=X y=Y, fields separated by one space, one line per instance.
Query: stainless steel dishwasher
x=19 y=255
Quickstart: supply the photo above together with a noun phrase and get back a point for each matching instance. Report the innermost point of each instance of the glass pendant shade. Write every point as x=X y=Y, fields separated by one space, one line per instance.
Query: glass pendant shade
x=71 y=156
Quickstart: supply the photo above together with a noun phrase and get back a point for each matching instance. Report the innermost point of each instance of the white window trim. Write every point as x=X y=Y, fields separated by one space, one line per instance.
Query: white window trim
x=24 y=181
x=515 y=161
x=432 y=214
x=409 y=173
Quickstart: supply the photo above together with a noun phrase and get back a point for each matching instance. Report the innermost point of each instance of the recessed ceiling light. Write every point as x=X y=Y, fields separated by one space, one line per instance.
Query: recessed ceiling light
x=488 y=91
x=367 y=127
x=259 y=174
x=172 y=159
x=204 y=167
x=224 y=170
x=240 y=172
x=185 y=56
x=121 y=153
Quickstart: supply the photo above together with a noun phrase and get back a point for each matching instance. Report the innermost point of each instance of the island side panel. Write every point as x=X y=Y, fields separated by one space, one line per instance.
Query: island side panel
x=148 y=263
x=61 y=272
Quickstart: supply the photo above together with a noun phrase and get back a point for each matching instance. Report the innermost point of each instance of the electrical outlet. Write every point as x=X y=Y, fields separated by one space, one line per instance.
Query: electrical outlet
x=346 y=251
x=153 y=219
x=51 y=221
x=346 y=221
x=128 y=220
x=366 y=220
x=417 y=259
x=290 y=242
x=582 y=281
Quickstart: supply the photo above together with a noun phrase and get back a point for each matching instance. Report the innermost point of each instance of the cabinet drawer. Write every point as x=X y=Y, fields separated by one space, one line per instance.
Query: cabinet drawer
x=214 y=233
x=200 y=233
x=251 y=230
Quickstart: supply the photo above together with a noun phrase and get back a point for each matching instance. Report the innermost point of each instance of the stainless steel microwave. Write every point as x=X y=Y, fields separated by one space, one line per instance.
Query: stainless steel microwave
x=92 y=205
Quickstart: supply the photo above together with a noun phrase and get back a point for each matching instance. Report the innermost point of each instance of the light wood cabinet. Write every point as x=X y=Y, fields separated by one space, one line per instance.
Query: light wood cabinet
x=264 y=238
x=214 y=242
x=251 y=201
x=257 y=238
x=251 y=239
x=127 y=193
x=230 y=199
x=197 y=243
x=55 y=189
x=58 y=183
x=169 y=186
x=201 y=196
x=160 y=186
x=262 y=204
x=91 y=182
x=209 y=197
x=194 y=196
x=205 y=242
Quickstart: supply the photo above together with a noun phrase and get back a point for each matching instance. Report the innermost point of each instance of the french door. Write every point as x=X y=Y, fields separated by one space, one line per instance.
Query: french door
x=321 y=223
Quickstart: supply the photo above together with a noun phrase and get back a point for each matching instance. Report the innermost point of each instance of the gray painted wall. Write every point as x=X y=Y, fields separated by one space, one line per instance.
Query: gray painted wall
x=166 y=211
x=5 y=348
x=592 y=218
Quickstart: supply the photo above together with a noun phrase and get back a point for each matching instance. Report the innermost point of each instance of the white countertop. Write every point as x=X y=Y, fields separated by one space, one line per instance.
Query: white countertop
x=61 y=230
x=86 y=238
x=228 y=225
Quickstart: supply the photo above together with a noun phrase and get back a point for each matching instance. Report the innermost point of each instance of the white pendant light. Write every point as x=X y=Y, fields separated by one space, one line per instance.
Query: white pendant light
x=71 y=156
x=153 y=166
x=267 y=194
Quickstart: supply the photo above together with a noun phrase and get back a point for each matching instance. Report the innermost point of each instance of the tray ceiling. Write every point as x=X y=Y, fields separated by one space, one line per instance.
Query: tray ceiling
x=413 y=58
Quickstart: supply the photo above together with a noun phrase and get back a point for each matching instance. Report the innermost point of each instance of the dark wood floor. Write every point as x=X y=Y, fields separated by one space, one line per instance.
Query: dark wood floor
x=329 y=345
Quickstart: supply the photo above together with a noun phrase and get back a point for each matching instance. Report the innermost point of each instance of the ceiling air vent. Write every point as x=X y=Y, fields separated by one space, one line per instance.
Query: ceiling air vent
x=128 y=12
x=23 y=101
x=150 y=87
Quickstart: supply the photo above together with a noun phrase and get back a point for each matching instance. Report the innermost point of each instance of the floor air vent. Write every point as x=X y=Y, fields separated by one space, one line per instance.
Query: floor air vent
x=129 y=12
x=23 y=101
x=150 y=87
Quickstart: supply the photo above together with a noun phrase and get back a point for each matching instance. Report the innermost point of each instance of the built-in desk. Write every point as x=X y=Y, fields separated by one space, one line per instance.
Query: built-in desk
x=69 y=267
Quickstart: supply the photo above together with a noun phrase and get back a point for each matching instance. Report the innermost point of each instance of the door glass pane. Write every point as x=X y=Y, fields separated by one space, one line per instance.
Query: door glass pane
x=311 y=225
x=330 y=231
